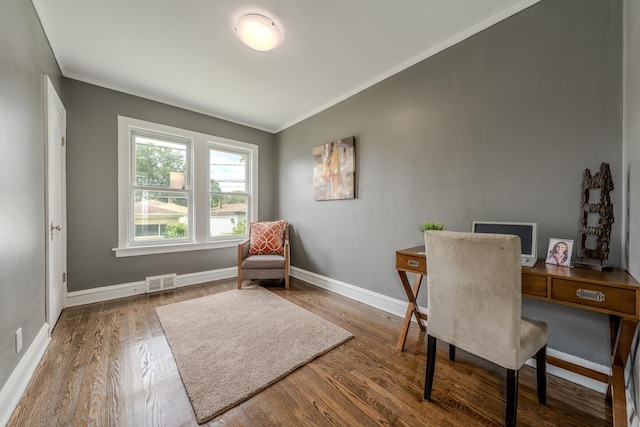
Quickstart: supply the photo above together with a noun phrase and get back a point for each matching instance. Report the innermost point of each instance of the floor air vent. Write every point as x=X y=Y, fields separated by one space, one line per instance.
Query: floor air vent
x=160 y=283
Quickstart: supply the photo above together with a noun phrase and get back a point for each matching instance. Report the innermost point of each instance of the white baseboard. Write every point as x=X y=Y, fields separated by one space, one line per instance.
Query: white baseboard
x=17 y=383
x=106 y=293
x=206 y=276
x=587 y=382
x=373 y=299
x=399 y=308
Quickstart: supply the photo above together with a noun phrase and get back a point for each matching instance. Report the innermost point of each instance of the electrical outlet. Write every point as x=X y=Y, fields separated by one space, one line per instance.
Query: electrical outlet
x=18 y=340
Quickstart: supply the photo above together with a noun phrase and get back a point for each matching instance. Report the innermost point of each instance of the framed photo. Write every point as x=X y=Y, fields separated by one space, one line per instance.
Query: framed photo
x=334 y=170
x=559 y=252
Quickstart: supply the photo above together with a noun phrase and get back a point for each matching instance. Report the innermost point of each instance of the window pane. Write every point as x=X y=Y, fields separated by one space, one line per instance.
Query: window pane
x=228 y=171
x=160 y=215
x=228 y=215
x=146 y=230
x=160 y=163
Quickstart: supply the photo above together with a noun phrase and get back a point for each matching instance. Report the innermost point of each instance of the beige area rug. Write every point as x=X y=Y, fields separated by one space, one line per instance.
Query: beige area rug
x=229 y=346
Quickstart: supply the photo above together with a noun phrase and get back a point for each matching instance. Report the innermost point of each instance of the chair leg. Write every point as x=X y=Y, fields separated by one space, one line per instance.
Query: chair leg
x=431 y=365
x=512 y=397
x=239 y=281
x=541 y=373
x=452 y=353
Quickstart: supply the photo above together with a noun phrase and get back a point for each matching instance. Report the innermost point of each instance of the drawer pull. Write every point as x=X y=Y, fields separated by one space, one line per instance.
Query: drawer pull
x=590 y=295
x=413 y=263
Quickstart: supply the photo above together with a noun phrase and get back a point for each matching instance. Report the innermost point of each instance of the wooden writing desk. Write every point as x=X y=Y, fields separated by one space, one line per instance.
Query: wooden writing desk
x=614 y=292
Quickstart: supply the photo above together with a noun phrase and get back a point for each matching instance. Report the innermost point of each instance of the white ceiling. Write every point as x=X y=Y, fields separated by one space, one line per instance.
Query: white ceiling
x=185 y=53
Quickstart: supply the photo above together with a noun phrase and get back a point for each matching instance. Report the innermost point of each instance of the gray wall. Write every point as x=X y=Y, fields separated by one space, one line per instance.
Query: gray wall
x=632 y=162
x=25 y=57
x=92 y=186
x=498 y=127
x=632 y=132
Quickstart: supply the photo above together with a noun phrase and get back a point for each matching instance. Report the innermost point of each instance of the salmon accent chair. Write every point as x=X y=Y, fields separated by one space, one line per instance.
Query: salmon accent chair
x=265 y=254
x=474 y=301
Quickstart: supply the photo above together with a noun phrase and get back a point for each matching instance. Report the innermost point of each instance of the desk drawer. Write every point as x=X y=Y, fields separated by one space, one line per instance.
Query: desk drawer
x=412 y=263
x=534 y=285
x=592 y=295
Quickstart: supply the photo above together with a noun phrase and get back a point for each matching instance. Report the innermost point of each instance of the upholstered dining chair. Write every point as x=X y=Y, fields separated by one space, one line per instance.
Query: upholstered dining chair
x=474 y=303
x=265 y=254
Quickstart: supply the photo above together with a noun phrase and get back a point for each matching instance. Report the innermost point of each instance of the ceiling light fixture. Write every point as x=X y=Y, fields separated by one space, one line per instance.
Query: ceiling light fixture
x=258 y=32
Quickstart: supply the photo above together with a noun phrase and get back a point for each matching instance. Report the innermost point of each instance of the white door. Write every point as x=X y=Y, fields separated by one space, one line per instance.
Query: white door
x=56 y=226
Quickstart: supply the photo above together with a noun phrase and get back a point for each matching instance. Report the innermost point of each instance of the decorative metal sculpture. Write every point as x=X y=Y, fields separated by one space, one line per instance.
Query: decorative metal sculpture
x=600 y=181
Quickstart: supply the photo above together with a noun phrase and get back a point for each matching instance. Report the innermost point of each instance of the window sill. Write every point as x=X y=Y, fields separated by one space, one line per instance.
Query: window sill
x=177 y=247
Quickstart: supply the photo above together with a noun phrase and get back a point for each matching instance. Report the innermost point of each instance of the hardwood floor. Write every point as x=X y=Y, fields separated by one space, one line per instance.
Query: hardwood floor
x=109 y=364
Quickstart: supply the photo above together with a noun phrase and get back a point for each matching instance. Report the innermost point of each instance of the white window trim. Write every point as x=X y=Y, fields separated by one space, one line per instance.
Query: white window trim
x=199 y=235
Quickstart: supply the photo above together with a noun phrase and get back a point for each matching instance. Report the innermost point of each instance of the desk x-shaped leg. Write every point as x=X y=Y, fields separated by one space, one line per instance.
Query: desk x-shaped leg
x=622 y=332
x=412 y=308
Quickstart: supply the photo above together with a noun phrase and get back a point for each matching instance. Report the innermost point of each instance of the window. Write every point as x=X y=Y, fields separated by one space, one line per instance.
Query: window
x=228 y=193
x=180 y=190
x=160 y=195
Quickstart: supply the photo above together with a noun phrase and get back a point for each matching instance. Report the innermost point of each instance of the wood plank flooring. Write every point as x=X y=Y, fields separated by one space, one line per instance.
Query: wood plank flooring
x=109 y=364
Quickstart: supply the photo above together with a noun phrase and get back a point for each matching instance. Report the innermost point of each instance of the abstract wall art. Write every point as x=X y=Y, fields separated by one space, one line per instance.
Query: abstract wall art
x=334 y=170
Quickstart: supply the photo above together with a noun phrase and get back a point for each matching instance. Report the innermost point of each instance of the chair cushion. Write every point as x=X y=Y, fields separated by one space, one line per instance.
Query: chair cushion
x=533 y=336
x=266 y=238
x=263 y=262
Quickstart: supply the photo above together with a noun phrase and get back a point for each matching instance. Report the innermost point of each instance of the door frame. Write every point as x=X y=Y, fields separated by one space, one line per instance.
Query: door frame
x=52 y=100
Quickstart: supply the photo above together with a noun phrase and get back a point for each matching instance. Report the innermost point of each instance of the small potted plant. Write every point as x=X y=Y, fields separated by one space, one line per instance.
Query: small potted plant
x=430 y=225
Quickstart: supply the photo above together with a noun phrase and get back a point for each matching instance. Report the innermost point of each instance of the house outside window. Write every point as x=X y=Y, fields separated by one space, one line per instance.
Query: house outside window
x=180 y=190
